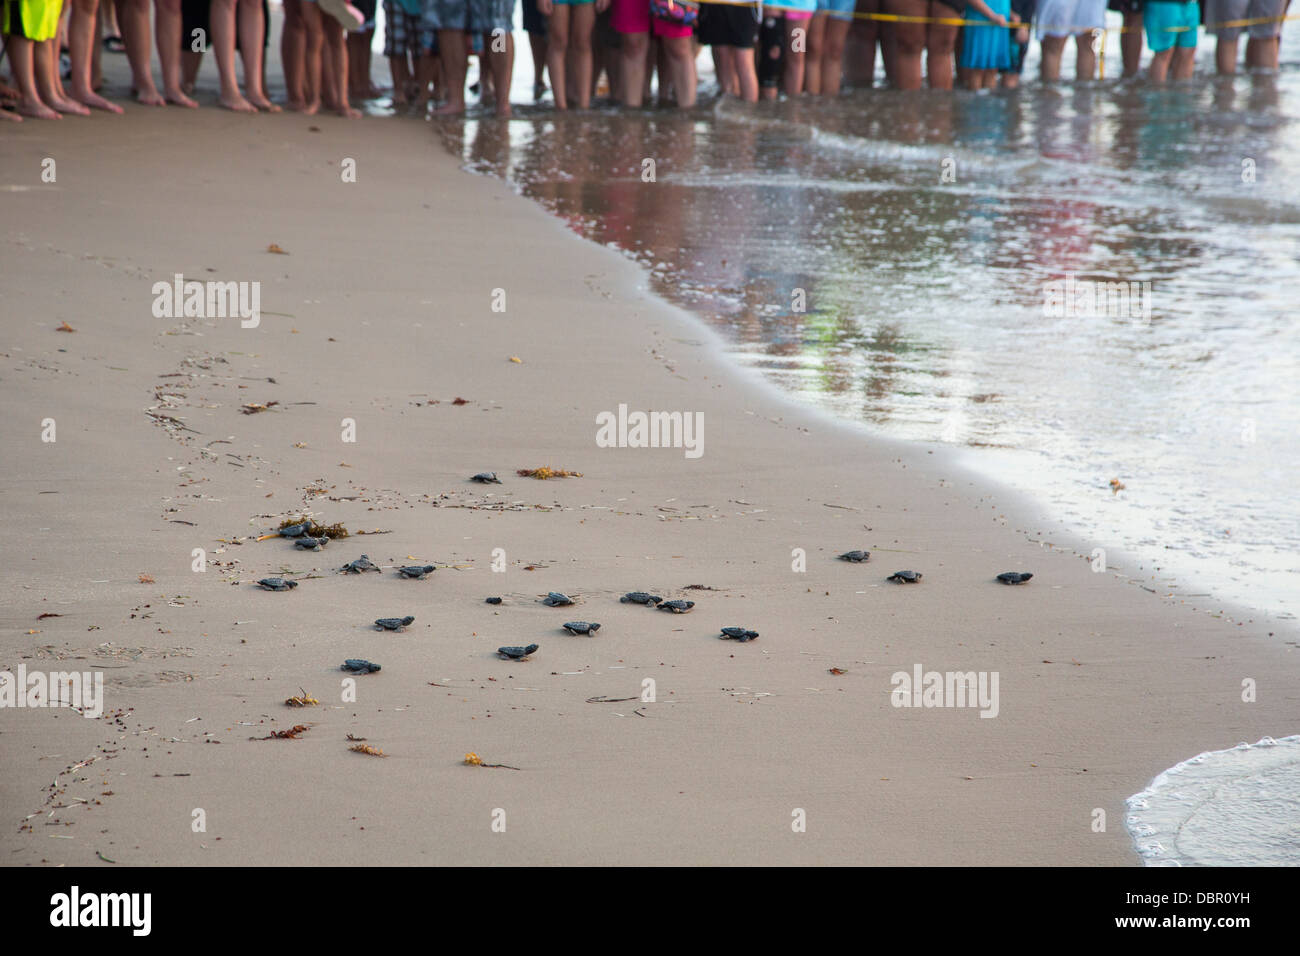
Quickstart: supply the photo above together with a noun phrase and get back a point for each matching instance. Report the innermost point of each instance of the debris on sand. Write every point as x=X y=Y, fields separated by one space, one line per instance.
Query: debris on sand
x=276 y=250
x=305 y=700
x=837 y=671
x=146 y=579
x=367 y=749
x=547 y=472
x=303 y=526
x=252 y=408
x=1116 y=486
x=474 y=760
x=64 y=328
x=293 y=733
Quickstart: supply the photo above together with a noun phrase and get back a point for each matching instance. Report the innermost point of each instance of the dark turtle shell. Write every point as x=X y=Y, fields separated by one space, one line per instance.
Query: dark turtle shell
x=739 y=634
x=556 y=599
x=493 y=600
x=486 y=478
x=362 y=563
x=308 y=543
x=416 y=571
x=1014 y=577
x=857 y=557
x=295 y=530
x=640 y=597
x=517 y=653
x=277 y=584
x=677 y=607
x=581 y=627
x=356 y=665
x=905 y=577
x=394 y=623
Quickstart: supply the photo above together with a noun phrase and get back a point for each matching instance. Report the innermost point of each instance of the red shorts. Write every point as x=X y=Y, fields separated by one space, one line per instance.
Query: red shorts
x=633 y=16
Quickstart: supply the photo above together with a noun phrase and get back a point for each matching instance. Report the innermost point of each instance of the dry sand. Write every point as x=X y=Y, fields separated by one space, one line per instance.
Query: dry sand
x=381 y=312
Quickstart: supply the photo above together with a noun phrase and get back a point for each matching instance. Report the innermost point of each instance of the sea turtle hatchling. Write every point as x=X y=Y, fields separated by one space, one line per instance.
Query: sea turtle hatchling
x=1014 y=577
x=640 y=597
x=905 y=577
x=355 y=665
x=361 y=564
x=677 y=607
x=581 y=627
x=416 y=572
x=308 y=543
x=738 y=634
x=277 y=584
x=517 y=653
x=556 y=599
x=492 y=600
x=294 y=530
x=394 y=623
x=486 y=478
x=857 y=557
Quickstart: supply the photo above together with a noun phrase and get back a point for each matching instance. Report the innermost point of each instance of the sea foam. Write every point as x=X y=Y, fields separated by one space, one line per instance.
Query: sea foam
x=1236 y=807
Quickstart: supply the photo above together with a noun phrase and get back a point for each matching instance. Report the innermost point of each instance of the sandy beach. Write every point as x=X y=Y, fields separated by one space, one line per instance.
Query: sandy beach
x=381 y=311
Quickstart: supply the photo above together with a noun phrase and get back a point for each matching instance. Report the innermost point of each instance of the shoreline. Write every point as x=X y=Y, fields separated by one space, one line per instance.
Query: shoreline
x=711 y=776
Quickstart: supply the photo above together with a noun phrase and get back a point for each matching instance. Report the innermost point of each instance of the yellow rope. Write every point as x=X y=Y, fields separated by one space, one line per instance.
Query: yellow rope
x=958 y=21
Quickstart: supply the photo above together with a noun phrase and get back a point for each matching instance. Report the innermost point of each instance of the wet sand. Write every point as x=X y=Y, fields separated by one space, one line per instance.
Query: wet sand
x=381 y=313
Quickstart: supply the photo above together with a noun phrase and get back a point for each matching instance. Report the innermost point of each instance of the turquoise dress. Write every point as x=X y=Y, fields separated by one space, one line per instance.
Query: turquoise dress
x=986 y=48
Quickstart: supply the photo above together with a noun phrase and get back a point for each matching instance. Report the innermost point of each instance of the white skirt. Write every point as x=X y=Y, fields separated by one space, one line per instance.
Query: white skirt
x=1063 y=18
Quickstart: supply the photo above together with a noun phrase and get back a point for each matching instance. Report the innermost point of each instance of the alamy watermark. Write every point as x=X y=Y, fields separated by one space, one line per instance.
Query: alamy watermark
x=651 y=430
x=182 y=299
x=84 y=691
x=1086 y=298
x=948 y=689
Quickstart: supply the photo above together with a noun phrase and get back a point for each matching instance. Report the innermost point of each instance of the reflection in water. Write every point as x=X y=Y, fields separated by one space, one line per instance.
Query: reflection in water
x=825 y=241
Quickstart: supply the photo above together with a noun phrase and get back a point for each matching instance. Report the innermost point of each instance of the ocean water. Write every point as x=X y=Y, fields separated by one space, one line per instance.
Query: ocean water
x=1227 y=808
x=894 y=258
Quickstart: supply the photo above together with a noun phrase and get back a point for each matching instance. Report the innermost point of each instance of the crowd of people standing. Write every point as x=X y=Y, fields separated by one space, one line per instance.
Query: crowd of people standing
x=581 y=46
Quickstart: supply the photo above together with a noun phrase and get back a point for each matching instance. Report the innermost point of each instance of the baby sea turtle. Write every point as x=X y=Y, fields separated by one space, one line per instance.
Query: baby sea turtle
x=494 y=600
x=486 y=478
x=416 y=572
x=640 y=597
x=394 y=623
x=294 y=530
x=308 y=543
x=677 y=607
x=556 y=599
x=362 y=563
x=277 y=584
x=905 y=577
x=1014 y=577
x=581 y=627
x=738 y=634
x=356 y=665
x=857 y=557
x=517 y=653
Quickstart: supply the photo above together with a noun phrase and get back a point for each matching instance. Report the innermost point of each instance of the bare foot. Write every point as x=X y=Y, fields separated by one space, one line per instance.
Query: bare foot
x=237 y=103
x=6 y=114
x=312 y=108
x=95 y=101
x=450 y=108
x=149 y=98
x=178 y=98
x=295 y=106
x=64 y=105
x=37 y=110
x=263 y=104
x=347 y=112
x=504 y=111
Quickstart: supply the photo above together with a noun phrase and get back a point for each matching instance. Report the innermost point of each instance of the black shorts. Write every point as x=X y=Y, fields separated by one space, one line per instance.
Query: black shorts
x=728 y=25
x=367 y=8
x=1127 y=6
x=771 y=38
x=13 y=16
x=534 y=22
x=195 y=16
